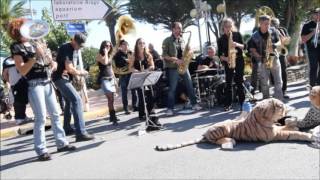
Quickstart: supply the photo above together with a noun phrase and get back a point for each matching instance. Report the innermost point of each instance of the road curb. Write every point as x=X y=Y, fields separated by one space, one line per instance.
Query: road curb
x=24 y=129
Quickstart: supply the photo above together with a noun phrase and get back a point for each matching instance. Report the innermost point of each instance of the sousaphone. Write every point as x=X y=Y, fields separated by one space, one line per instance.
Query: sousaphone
x=263 y=10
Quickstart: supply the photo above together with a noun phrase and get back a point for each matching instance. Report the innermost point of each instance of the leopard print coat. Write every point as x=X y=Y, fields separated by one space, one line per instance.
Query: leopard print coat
x=311 y=120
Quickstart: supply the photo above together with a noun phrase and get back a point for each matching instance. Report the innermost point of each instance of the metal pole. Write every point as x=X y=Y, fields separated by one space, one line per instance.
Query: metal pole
x=199 y=30
x=197 y=4
x=30 y=7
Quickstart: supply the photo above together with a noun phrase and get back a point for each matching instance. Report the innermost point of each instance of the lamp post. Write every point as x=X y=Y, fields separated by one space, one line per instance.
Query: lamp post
x=31 y=11
x=202 y=9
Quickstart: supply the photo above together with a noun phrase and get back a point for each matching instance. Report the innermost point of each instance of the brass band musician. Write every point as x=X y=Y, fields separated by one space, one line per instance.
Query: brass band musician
x=209 y=61
x=311 y=38
x=172 y=52
x=142 y=60
x=284 y=37
x=231 y=41
x=263 y=46
x=121 y=59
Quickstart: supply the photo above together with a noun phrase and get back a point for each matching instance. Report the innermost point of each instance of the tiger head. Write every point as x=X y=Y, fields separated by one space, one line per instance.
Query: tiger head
x=268 y=111
x=315 y=96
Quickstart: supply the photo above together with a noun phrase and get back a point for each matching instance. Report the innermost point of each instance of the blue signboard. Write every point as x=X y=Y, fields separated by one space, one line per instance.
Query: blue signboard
x=73 y=28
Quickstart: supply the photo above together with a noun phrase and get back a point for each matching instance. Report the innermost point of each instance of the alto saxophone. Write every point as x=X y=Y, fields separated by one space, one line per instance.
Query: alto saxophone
x=186 y=56
x=232 y=53
x=269 y=53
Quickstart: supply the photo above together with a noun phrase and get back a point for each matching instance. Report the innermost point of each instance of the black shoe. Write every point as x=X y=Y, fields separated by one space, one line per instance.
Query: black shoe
x=69 y=131
x=84 y=137
x=152 y=128
x=134 y=109
x=127 y=112
x=67 y=148
x=227 y=108
x=44 y=157
x=286 y=96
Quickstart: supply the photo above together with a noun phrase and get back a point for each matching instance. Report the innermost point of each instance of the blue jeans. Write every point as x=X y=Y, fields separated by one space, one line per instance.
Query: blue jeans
x=73 y=103
x=124 y=81
x=42 y=98
x=173 y=77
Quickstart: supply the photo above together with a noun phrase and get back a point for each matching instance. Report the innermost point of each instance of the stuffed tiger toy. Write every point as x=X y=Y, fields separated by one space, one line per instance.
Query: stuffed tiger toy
x=258 y=125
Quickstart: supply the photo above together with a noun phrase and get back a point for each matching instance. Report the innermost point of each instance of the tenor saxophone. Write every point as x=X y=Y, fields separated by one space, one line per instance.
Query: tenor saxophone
x=232 y=53
x=269 y=52
x=186 y=56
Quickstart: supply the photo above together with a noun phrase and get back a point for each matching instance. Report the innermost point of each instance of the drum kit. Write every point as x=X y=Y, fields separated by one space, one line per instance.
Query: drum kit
x=208 y=83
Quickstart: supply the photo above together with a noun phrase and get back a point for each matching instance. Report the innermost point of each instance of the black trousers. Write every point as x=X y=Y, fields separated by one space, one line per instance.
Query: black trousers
x=149 y=100
x=19 y=110
x=234 y=75
x=283 y=64
x=314 y=63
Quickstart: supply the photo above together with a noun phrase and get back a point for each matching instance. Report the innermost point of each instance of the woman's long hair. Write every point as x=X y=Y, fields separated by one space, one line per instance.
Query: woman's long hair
x=103 y=45
x=228 y=20
x=146 y=52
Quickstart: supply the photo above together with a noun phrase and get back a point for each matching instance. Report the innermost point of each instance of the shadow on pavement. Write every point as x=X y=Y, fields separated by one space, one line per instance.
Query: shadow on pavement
x=18 y=163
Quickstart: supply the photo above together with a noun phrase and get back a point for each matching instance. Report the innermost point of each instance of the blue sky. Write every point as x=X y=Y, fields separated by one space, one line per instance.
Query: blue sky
x=98 y=31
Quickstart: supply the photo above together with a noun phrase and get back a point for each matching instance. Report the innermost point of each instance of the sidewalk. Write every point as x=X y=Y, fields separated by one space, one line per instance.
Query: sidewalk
x=98 y=108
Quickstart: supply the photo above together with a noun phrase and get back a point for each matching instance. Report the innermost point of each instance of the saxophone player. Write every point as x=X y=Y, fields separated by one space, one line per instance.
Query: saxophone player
x=284 y=38
x=67 y=61
x=231 y=40
x=172 y=52
x=308 y=36
x=263 y=43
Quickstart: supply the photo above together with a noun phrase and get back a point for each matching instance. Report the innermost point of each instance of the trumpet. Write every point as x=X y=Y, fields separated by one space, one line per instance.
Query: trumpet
x=34 y=29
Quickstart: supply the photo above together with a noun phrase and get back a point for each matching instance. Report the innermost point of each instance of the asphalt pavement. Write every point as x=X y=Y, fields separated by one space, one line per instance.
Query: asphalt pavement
x=118 y=152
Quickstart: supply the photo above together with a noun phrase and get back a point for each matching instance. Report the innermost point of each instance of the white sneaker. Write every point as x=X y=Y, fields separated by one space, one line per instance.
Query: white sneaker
x=169 y=112
x=196 y=107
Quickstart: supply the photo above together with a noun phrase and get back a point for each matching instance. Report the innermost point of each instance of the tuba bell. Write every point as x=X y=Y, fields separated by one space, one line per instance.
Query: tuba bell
x=263 y=10
x=125 y=26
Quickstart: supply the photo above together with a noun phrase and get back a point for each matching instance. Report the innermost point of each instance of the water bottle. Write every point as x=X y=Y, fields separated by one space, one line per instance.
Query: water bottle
x=247 y=107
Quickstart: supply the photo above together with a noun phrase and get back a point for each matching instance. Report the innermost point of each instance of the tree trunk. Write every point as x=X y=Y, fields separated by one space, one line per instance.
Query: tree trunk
x=295 y=38
x=111 y=26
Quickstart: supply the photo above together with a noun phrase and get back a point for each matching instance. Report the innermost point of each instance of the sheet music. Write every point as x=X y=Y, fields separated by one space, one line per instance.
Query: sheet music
x=153 y=78
x=137 y=80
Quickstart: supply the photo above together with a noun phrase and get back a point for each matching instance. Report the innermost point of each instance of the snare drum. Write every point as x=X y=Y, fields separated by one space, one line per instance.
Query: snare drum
x=205 y=83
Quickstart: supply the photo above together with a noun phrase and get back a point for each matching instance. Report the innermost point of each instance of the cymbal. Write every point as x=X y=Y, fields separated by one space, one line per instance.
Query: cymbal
x=206 y=69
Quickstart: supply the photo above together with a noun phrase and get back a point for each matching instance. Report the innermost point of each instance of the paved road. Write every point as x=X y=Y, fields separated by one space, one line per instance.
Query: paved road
x=119 y=153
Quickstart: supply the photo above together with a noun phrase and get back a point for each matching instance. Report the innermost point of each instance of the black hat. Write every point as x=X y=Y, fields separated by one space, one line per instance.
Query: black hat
x=80 y=39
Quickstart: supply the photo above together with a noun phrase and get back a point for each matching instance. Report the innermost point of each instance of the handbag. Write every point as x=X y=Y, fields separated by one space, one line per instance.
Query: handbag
x=78 y=82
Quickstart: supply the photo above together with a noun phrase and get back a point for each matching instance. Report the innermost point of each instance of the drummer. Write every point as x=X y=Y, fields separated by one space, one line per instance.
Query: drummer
x=209 y=64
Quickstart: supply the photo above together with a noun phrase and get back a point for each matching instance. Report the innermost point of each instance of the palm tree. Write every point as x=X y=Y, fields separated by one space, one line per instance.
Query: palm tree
x=9 y=11
x=119 y=8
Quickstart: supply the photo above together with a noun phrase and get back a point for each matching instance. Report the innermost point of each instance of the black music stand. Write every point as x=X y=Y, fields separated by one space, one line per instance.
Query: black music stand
x=140 y=80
